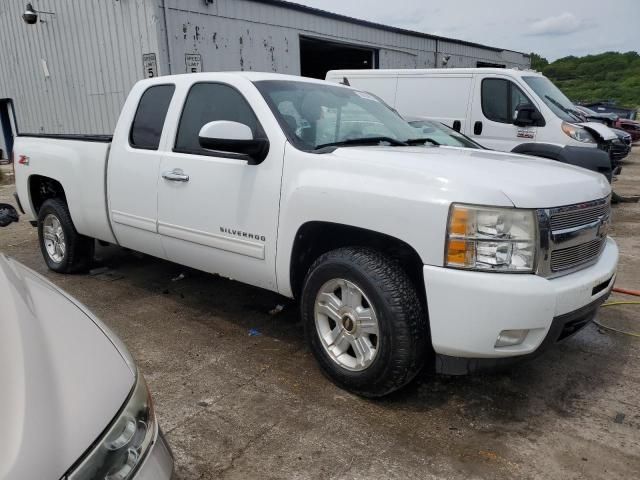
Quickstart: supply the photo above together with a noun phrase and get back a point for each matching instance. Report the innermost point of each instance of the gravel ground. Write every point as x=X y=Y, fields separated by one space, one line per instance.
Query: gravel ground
x=240 y=406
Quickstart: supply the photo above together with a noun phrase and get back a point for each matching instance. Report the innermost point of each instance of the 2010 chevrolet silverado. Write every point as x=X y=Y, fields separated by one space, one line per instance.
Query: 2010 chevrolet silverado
x=401 y=251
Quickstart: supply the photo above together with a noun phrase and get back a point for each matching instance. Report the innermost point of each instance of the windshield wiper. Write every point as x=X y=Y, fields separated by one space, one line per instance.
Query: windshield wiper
x=563 y=108
x=418 y=141
x=363 y=141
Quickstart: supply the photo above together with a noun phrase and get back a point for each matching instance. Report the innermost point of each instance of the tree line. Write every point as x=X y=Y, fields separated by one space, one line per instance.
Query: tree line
x=607 y=76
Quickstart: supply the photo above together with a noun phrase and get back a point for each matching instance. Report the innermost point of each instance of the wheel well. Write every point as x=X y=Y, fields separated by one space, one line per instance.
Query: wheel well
x=316 y=238
x=43 y=188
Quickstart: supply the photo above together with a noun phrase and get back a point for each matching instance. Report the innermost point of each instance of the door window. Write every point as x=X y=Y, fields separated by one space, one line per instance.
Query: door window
x=207 y=102
x=146 y=128
x=500 y=99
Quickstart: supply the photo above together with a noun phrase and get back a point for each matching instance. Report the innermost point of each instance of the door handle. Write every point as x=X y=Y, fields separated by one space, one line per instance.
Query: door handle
x=477 y=128
x=175 y=175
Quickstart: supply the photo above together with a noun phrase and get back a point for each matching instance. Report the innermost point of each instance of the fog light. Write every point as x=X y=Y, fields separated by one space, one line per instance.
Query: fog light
x=510 y=338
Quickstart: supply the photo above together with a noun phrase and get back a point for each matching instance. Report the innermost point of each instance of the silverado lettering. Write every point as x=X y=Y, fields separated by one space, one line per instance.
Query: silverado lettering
x=239 y=233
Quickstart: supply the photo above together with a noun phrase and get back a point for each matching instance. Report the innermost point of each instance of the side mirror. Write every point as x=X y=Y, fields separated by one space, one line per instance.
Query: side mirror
x=233 y=137
x=8 y=214
x=526 y=115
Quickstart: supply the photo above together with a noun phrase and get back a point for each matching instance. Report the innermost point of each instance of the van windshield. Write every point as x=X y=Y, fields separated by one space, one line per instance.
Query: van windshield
x=554 y=98
x=316 y=116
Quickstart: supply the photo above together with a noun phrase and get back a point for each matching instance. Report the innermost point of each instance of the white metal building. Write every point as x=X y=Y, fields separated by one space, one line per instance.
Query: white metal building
x=71 y=71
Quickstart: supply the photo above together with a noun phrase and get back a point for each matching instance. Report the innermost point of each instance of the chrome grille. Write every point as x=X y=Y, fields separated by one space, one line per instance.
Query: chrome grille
x=572 y=237
x=576 y=216
x=577 y=255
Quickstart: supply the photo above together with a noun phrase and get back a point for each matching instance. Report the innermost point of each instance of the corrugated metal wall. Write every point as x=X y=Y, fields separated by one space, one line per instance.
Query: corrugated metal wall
x=92 y=51
x=244 y=35
x=462 y=56
x=71 y=72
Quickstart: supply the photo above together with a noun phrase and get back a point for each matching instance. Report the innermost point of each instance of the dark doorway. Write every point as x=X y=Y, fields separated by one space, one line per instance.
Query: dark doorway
x=317 y=57
x=6 y=130
x=489 y=65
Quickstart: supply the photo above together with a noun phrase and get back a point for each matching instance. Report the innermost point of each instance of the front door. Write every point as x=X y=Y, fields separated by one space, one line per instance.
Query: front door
x=216 y=212
x=495 y=102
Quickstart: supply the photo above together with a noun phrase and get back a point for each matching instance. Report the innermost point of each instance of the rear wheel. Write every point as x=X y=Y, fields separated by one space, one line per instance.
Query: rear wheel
x=364 y=321
x=63 y=248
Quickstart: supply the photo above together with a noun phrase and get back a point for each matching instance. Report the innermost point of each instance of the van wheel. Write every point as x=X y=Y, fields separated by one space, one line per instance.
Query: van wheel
x=63 y=248
x=364 y=321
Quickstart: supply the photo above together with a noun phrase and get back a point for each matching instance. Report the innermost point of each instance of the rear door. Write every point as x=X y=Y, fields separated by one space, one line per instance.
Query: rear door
x=494 y=104
x=133 y=169
x=216 y=212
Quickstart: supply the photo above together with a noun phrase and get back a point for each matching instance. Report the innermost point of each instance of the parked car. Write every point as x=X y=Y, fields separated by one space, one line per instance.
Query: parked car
x=503 y=109
x=399 y=251
x=74 y=405
x=631 y=127
x=441 y=134
x=613 y=121
x=609 y=119
x=611 y=107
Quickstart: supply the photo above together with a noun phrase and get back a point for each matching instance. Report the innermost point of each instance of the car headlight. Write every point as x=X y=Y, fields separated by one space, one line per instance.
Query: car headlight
x=122 y=448
x=491 y=239
x=578 y=133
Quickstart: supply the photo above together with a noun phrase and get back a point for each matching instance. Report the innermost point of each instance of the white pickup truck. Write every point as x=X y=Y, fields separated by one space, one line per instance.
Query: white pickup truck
x=400 y=251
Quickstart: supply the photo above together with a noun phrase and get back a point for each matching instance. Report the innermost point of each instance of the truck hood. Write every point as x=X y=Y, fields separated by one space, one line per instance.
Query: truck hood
x=599 y=129
x=63 y=379
x=528 y=182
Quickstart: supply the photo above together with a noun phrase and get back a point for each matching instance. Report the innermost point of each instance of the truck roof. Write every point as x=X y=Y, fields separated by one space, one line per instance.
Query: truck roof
x=431 y=71
x=213 y=76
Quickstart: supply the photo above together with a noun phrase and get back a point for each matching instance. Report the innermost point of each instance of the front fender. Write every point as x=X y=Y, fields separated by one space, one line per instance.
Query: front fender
x=590 y=158
x=410 y=206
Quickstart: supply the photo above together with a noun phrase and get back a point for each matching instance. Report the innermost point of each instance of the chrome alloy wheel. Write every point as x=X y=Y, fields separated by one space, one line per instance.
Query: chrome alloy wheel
x=347 y=324
x=54 y=241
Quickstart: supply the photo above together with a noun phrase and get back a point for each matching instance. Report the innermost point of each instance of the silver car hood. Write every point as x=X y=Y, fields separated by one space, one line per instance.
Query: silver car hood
x=62 y=379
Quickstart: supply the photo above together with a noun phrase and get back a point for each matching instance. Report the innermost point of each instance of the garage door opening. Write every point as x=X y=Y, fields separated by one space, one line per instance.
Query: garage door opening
x=6 y=130
x=489 y=65
x=317 y=57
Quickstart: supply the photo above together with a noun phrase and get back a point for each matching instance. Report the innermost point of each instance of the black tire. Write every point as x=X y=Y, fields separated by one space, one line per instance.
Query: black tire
x=79 y=249
x=403 y=325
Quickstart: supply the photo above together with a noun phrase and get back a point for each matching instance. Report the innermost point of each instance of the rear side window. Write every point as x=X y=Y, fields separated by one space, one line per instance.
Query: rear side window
x=500 y=99
x=207 y=102
x=146 y=128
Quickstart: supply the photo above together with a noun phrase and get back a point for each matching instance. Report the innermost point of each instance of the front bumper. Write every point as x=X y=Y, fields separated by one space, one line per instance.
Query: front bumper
x=158 y=463
x=468 y=310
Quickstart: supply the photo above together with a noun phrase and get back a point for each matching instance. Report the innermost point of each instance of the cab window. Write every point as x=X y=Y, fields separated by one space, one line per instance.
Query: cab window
x=500 y=99
x=146 y=128
x=207 y=102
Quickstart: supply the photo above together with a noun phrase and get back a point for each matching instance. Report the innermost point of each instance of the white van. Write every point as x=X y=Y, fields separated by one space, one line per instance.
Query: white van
x=502 y=109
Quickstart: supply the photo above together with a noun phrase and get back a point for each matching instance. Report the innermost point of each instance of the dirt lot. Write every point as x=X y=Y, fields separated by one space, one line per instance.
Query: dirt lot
x=241 y=406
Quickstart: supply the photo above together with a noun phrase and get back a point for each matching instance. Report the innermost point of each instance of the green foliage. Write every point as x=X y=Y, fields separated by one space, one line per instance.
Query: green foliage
x=538 y=62
x=607 y=76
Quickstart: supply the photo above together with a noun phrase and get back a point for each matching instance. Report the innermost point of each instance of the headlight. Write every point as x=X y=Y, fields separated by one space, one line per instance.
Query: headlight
x=491 y=239
x=578 y=133
x=120 y=450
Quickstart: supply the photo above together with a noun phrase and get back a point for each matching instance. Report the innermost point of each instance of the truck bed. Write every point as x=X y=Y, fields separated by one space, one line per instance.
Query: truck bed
x=78 y=162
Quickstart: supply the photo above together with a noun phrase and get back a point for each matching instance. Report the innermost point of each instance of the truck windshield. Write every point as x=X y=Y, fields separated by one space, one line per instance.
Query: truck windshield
x=316 y=116
x=554 y=98
x=442 y=134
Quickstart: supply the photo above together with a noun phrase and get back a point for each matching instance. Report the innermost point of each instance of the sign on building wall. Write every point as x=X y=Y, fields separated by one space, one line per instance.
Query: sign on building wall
x=193 y=62
x=150 y=65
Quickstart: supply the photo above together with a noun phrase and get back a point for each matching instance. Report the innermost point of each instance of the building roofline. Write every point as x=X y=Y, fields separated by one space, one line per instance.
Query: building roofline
x=380 y=26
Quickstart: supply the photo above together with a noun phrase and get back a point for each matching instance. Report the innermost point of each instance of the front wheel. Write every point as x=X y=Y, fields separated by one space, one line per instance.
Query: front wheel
x=63 y=248
x=364 y=321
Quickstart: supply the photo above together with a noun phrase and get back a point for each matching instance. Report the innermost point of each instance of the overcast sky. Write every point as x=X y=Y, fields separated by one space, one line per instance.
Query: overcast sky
x=552 y=28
